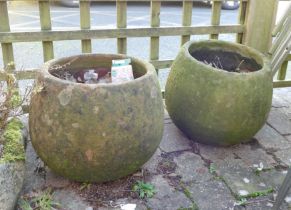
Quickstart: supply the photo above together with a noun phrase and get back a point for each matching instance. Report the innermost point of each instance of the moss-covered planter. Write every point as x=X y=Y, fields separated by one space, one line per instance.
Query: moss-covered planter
x=96 y=132
x=215 y=106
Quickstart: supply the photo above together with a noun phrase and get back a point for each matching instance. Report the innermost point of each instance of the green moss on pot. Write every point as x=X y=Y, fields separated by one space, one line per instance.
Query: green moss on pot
x=96 y=132
x=12 y=140
x=215 y=106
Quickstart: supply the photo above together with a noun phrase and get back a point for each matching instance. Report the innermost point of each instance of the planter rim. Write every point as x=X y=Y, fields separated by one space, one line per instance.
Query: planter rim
x=150 y=70
x=230 y=45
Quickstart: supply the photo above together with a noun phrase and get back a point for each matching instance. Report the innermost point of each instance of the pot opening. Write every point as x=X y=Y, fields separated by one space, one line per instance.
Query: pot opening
x=92 y=69
x=226 y=60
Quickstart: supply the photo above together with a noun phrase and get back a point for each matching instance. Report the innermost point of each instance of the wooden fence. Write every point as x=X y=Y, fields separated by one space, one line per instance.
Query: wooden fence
x=251 y=13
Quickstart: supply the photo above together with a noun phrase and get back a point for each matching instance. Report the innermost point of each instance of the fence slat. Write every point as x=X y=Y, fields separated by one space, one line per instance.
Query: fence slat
x=282 y=83
x=7 y=48
x=155 y=22
x=21 y=74
x=45 y=23
x=187 y=18
x=85 y=23
x=116 y=33
x=215 y=17
x=121 y=8
x=241 y=19
x=282 y=72
x=162 y=64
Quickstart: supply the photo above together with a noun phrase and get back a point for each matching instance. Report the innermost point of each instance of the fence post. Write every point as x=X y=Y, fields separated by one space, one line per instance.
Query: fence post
x=7 y=48
x=259 y=23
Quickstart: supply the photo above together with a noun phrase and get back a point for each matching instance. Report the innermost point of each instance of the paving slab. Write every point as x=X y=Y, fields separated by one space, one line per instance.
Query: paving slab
x=253 y=156
x=273 y=177
x=278 y=101
x=174 y=140
x=261 y=203
x=284 y=93
x=287 y=111
x=34 y=174
x=212 y=195
x=55 y=181
x=288 y=138
x=152 y=165
x=271 y=140
x=70 y=201
x=279 y=121
x=242 y=180
x=192 y=168
x=215 y=154
x=284 y=156
x=167 y=197
x=167 y=118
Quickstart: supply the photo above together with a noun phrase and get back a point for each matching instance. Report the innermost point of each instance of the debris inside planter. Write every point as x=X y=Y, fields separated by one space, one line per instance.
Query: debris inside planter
x=121 y=71
x=87 y=76
x=226 y=60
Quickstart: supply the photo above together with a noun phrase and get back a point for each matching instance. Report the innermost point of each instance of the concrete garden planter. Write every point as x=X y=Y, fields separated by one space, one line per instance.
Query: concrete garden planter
x=215 y=106
x=96 y=132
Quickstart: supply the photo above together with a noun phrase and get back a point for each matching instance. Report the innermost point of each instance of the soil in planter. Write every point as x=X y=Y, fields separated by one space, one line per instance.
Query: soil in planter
x=89 y=76
x=225 y=60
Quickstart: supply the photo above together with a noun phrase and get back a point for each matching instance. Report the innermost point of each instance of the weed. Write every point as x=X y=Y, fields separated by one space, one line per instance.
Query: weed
x=212 y=168
x=258 y=171
x=193 y=207
x=187 y=193
x=145 y=190
x=85 y=185
x=241 y=202
x=257 y=194
x=24 y=205
x=10 y=100
x=42 y=202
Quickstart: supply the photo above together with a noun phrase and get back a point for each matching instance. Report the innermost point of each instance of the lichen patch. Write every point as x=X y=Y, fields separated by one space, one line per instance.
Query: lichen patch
x=154 y=92
x=89 y=154
x=47 y=119
x=75 y=125
x=65 y=96
x=96 y=109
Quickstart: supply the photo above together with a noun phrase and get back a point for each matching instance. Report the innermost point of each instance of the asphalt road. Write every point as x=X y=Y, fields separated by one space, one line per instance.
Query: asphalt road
x=24 y=16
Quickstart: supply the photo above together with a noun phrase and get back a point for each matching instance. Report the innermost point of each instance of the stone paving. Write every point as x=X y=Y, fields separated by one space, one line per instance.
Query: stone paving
x=186 y=174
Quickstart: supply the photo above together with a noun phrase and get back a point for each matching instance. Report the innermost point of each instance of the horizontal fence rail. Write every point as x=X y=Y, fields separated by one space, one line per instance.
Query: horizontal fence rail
x=86 y=33
x=116 y=33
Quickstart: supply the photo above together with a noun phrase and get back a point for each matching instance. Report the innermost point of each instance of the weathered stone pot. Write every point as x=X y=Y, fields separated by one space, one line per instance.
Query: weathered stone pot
x=215 y=106
x=96 y=132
